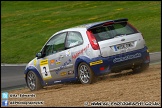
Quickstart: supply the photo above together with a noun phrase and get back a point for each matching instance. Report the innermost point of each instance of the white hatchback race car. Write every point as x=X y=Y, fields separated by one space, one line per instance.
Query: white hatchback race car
x=86 y=51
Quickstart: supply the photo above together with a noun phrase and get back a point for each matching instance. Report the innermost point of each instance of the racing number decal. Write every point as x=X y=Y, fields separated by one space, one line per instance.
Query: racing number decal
x=45 y=69
x=46 y=74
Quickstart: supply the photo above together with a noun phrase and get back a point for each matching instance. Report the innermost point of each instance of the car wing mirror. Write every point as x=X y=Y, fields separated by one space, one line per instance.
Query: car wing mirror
x=39 y=55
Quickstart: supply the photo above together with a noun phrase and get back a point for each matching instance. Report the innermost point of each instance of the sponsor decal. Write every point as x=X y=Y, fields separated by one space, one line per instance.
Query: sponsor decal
x=80 y=52
x=63 y=73
x=35 y=62
x=128 y=57
x=96 y=62
x=52 y=62
x=58 y=62
x=45 y=69
x=44 y=62
x=57 y=81
x=63 y=66
x=68 y=53
x=70 y=72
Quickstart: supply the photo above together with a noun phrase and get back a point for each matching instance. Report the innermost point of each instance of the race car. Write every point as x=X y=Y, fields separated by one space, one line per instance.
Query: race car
x=87 y=51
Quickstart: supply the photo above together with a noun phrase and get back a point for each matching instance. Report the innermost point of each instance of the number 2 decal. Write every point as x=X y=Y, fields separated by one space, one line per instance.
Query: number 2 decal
x=45 y=69
x=46 y=74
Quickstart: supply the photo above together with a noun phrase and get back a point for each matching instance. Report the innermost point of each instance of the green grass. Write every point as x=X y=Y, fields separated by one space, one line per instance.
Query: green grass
x=27 y=25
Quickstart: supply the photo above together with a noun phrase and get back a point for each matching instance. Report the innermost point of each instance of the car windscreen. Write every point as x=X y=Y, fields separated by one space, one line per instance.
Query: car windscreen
x=117 y=29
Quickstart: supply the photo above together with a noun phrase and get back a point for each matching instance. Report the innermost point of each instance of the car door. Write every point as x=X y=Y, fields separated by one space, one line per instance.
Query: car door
x=74 y=42
x=57 y=63
x=53 y=57
x=65 y=70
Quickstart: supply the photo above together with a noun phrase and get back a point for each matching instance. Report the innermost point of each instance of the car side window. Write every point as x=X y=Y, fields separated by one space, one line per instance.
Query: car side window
x=73 y=39
x=56 y=44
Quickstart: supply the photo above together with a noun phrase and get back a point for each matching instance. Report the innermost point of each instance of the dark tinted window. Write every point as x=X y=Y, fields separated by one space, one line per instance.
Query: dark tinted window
x=110 y=31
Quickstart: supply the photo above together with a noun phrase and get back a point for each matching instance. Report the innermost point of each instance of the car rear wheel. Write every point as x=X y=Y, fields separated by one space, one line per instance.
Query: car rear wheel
x=33 y=82
x=142 y=67
x=145 y=66
x=86 y=75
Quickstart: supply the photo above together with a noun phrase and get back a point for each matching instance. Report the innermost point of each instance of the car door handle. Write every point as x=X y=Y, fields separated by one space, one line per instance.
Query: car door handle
x=61 y=56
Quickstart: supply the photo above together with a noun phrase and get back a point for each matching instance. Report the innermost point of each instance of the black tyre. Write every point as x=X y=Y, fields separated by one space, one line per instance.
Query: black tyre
x=145 y=66
x=142 y=67
x=33 y=82
x=86 y=76
x=137 y=69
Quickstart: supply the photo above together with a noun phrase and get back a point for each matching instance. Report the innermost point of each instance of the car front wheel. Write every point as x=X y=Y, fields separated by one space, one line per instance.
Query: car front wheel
x=33 y=82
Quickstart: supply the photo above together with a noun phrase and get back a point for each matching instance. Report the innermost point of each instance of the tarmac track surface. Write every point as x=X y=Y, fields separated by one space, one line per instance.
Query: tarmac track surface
x=126 y=86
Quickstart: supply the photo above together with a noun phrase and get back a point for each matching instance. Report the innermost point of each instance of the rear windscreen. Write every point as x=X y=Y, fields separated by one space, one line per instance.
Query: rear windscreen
x=113 y=30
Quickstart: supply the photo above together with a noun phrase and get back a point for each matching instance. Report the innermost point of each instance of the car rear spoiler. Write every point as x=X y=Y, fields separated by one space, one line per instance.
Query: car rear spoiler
x=105 y=23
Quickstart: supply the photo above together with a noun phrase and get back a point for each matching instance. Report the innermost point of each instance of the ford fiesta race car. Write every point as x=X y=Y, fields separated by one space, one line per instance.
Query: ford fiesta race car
x=86 y=51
